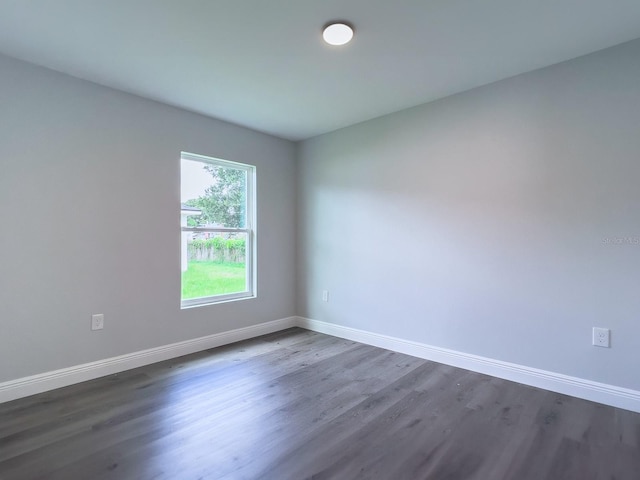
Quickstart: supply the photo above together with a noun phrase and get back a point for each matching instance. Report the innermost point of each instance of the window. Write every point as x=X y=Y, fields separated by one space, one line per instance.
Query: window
x=217 y=218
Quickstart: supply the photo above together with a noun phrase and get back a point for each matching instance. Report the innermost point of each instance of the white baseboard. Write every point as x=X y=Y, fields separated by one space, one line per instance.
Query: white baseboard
x=556 y=382
x=43 y=382
x=577 y=387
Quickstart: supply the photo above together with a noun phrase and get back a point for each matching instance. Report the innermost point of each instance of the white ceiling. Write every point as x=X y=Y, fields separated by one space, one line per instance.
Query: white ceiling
x=263 y=64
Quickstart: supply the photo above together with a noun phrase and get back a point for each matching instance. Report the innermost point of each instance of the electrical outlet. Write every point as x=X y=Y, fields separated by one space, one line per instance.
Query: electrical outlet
x=97 y=321
x=601 y=337
x=325 y=295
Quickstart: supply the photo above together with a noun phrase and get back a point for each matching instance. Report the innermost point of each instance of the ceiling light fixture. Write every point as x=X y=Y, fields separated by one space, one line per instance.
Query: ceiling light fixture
x=337 y=33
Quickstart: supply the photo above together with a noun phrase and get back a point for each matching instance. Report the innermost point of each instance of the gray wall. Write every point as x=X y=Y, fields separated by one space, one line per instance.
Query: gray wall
x=479 y=222
x=89 y=205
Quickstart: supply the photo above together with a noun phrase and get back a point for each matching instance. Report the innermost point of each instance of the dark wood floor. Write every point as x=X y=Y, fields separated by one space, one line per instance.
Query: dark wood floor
x=296 y=405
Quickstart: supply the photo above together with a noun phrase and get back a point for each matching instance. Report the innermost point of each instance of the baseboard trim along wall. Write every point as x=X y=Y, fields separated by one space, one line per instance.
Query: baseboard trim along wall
x=26 y=386
x=577 y=387
x=556 y=382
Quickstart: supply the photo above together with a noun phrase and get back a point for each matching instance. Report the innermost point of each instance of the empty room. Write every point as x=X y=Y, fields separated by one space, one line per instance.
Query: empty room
x=333 y=240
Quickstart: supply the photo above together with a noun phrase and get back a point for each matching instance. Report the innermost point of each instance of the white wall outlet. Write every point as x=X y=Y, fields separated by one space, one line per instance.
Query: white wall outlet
x=601 y=337
x=97 y=321
x=325 y=295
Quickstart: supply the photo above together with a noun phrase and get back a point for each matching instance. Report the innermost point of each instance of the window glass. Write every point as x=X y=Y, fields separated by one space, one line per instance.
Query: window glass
x=218 y=240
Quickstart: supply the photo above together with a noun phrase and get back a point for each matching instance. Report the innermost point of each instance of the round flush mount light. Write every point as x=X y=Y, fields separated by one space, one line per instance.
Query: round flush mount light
x=337 y=33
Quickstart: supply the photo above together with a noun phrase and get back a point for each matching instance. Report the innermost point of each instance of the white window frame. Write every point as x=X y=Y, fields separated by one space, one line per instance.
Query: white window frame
x=249 y=230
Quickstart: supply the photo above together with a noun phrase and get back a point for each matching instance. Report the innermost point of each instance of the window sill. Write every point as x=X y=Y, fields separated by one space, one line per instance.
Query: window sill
x=206 y=301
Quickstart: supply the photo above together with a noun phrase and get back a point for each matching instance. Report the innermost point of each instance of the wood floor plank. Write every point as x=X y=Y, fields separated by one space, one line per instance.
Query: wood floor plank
x=298 y=404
